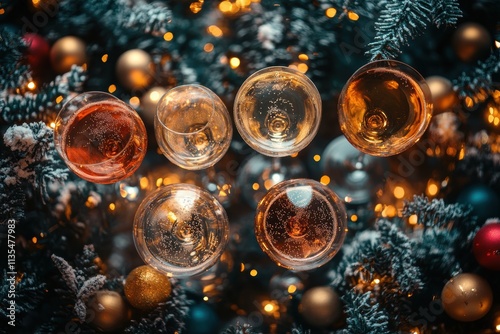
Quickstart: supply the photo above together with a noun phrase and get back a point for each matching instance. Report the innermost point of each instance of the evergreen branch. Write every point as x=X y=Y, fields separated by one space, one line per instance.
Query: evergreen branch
x=33 y=106
x=87 y=290
x=479 y=79
x=241 y=329
x=67 y=272
x=436 y=213
x=363 y=315
x=28 y=294
x=399 y=248
x=167 y=317
x=13 y=73
x=151 y=18
x=397 y=22
x=445 y=12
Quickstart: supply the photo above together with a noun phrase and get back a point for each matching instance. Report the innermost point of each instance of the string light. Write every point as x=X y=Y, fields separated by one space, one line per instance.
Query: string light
x=303 y=57
x=215 y=31
x=209 y=47
x=352 y=16
x=168 y=36
x=413 y=220
x=399 y=192
x=317 y=157
x=330 y=12
x=324 y=180
x=59 y=99
x=134 y=101
x=111 y=89
x=234 y=62
x=112 y=206
x=104 y=58
x=253 y=272
x=31 y=85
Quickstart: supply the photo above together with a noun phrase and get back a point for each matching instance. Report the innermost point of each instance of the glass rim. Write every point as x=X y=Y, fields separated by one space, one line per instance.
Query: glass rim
x=151 y=259
x=206 y=90
x=328 y=252
x=273 y=150
x=421 y=84
x=58 y=119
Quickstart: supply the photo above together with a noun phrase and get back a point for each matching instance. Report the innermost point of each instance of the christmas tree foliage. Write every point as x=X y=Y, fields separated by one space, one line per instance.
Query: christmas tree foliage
x=421 y=250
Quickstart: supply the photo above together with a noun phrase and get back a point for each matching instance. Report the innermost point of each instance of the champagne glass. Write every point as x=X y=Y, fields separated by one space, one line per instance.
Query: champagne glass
x=384 y=108
x=100 y=138
x=277 y=112
x=181 y=230
x=192 y=127
x=300 y=224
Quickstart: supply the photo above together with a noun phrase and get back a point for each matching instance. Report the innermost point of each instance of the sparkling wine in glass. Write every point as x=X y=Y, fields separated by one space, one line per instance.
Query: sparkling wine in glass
x=277 y=111
x=300 y=224
x=181 y=230
x=384 y=108
x=101 y=138
x=192 y=127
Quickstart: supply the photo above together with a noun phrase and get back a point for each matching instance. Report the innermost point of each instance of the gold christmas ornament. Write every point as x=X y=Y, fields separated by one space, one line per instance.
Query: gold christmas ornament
x=471 y=41
x=492 y=109
x=467 y=297
x=145 y=287
x=443 y=95
x=66 y=52
x=321 y=306
x=135 y=69
x=107 y=311
x=149 y=100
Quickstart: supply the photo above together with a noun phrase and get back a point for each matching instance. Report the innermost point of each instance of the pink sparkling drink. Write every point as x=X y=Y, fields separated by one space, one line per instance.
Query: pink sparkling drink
x=101 y=139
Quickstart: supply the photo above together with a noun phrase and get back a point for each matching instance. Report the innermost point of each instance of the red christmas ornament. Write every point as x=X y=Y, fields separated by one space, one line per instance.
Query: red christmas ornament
x=38 y=50
x=486 y=245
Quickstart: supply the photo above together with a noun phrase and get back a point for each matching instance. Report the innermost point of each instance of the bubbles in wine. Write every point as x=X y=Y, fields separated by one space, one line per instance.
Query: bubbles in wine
x=199 y=139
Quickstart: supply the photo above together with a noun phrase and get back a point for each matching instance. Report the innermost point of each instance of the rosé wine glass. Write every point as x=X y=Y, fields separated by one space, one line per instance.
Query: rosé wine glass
x=100 y=138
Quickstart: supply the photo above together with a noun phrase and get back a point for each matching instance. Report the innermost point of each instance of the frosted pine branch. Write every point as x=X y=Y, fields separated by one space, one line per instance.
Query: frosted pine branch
x=445 y=12
x=480 y=78
x=32 y=106
x=67 y=272
x=364 y=316
x=151 y=18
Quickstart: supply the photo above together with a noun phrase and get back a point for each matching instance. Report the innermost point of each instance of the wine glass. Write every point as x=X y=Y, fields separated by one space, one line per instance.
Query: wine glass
x=100 y=138
x=180 y=229
x=277 y=112
x=300 y=224
x=384 y=108
x=192 y=127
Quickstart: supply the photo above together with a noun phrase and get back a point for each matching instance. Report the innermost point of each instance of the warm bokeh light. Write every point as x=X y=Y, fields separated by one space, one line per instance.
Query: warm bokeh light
x=353 y=16
x=112 y=206
x=112 y=89
x=209 y=47
x=354 y=218
x=253 y=272
x=168 y=36
x=134 y=101
x=34 y=240
x=255 y=186
x=234 y=62
x=215 y=31
x=196 y=6
x=324 y=180
x=104 y=58
x=303 y=57
x=59 y=99
x=302 y=67
x=330 y=12
x=291 y=289
x=317 y=157
x=31 y=85
x=432 y=188
x=144 y=182
x=413 y=220
x=399 y=192
x=205 y=298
